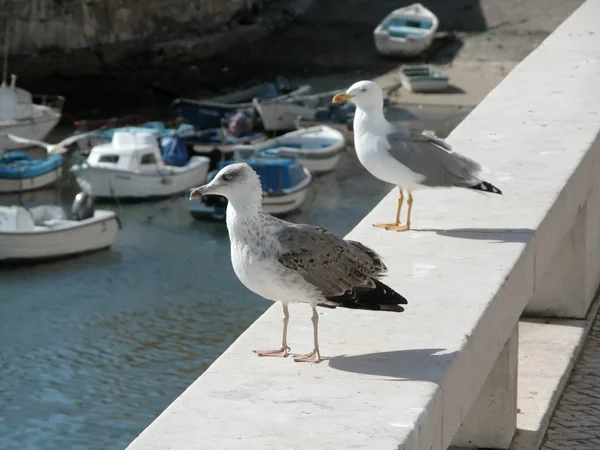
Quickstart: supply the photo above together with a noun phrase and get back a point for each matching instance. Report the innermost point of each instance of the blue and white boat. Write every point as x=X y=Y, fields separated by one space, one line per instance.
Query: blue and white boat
x=285 y=183
x=317 y=148
x=158 y=129
x=203 y=114
x=19 y=172
x=406 y=31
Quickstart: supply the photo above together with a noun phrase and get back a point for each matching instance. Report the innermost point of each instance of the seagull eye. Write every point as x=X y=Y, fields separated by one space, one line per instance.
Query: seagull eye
x=227 y=176
x=363 y=89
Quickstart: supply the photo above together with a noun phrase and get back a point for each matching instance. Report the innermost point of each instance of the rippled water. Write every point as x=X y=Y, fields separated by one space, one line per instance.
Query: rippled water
x=93 y=348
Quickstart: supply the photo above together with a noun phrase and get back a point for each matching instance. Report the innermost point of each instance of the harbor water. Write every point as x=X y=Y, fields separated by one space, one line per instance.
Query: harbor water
x=94 y=347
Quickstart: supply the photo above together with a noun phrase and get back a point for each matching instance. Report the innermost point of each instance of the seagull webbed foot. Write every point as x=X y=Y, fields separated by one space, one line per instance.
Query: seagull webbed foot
x=279 y=353
x=313 y=357
x=386 y=225
x=398 y=227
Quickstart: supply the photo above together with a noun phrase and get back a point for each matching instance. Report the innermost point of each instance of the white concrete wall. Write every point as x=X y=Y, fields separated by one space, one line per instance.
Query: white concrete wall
x=469 y=269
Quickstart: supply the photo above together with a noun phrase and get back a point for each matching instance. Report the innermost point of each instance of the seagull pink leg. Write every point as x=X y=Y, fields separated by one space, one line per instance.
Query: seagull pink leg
x=284 y=350
x=315 y=355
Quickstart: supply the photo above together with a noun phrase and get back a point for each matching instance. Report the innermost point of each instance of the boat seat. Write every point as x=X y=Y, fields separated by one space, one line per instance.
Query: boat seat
x=55 y=223
x=23 y=219
x=43 y=213
x=401 y=32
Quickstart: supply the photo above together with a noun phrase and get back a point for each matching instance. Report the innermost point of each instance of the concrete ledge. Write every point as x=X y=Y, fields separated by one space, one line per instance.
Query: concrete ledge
x=469 y=270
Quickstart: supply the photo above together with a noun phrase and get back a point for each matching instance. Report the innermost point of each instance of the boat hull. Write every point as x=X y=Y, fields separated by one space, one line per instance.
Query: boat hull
x=282 y=116
x=320 y=165
x=316 y=160
x=341 y=127
x=91 y=234
x=9 y=185
x=37 y=127
x=113 y=183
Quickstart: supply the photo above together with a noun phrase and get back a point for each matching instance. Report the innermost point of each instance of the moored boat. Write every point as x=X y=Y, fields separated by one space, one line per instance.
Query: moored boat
x=45 y=232
x=26 y=115
x=282 y=115
x=423 y=78
x=317 y=148
x=157 y=128
x=406 y=31
x=203 y=114
x=19 y=172
x=133 y=165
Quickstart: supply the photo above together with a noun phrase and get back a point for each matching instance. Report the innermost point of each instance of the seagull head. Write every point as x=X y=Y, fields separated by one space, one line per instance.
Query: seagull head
x=238 y=182
x=365 y=94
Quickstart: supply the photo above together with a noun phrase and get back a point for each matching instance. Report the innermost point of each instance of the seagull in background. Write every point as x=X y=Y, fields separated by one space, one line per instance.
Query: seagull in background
x=407 y=159
x=287 y=262
x=52 y=149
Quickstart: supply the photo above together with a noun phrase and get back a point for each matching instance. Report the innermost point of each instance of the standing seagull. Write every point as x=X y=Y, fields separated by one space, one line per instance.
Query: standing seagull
x=287 y=262
x=407 y=159
x=52 y=149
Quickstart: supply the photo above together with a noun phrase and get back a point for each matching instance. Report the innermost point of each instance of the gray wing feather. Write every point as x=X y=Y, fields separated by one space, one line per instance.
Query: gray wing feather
x=433 y=158
x=326 y=261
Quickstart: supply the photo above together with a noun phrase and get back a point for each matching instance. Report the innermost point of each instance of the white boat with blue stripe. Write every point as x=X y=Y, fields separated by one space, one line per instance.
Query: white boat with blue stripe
x=406 y=31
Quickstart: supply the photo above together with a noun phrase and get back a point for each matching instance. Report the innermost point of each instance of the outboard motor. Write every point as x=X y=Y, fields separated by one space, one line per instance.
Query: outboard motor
x=283 y=84
x=83 y=206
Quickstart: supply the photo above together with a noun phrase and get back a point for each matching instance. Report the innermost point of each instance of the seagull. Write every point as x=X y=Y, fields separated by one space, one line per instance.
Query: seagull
x=287 y=262
x=408 y=159
x=52 y=149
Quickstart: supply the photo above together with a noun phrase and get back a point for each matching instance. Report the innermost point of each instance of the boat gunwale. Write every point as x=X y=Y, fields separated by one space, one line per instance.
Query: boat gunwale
x=85 y=167
x=78 y=224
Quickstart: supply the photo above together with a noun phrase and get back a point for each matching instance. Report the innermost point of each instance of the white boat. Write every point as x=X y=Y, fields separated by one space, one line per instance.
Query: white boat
x=284 y=181
x=406 y=31
x=132 y=166
x=282 y=114
x=45 y=232
x=316 y=148
x=423 y=78
x=345 y=128
x=23 y=115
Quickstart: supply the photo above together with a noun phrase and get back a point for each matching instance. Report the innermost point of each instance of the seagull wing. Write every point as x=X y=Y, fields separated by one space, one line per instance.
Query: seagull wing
x=74 y=138
x=433 y=158
x=22 y=140
x=345 y=272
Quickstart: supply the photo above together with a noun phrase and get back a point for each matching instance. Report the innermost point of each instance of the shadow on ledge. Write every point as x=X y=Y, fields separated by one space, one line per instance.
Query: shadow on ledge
x=401 y=364
x=497 y=235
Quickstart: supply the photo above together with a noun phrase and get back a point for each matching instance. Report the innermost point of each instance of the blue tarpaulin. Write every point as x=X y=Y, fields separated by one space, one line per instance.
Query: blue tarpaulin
x=275 y=174
x=173 y=151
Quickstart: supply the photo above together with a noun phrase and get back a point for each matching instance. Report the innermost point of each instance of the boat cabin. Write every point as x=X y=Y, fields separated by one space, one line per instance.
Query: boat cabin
x=15 y=103
x=132 y=152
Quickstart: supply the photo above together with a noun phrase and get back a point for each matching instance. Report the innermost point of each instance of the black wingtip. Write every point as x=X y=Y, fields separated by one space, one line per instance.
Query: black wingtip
x=378 y=298
x=484 y=186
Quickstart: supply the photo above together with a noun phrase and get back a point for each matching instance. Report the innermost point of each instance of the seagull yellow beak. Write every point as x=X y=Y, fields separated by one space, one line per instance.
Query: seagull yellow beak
x=341 y=97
